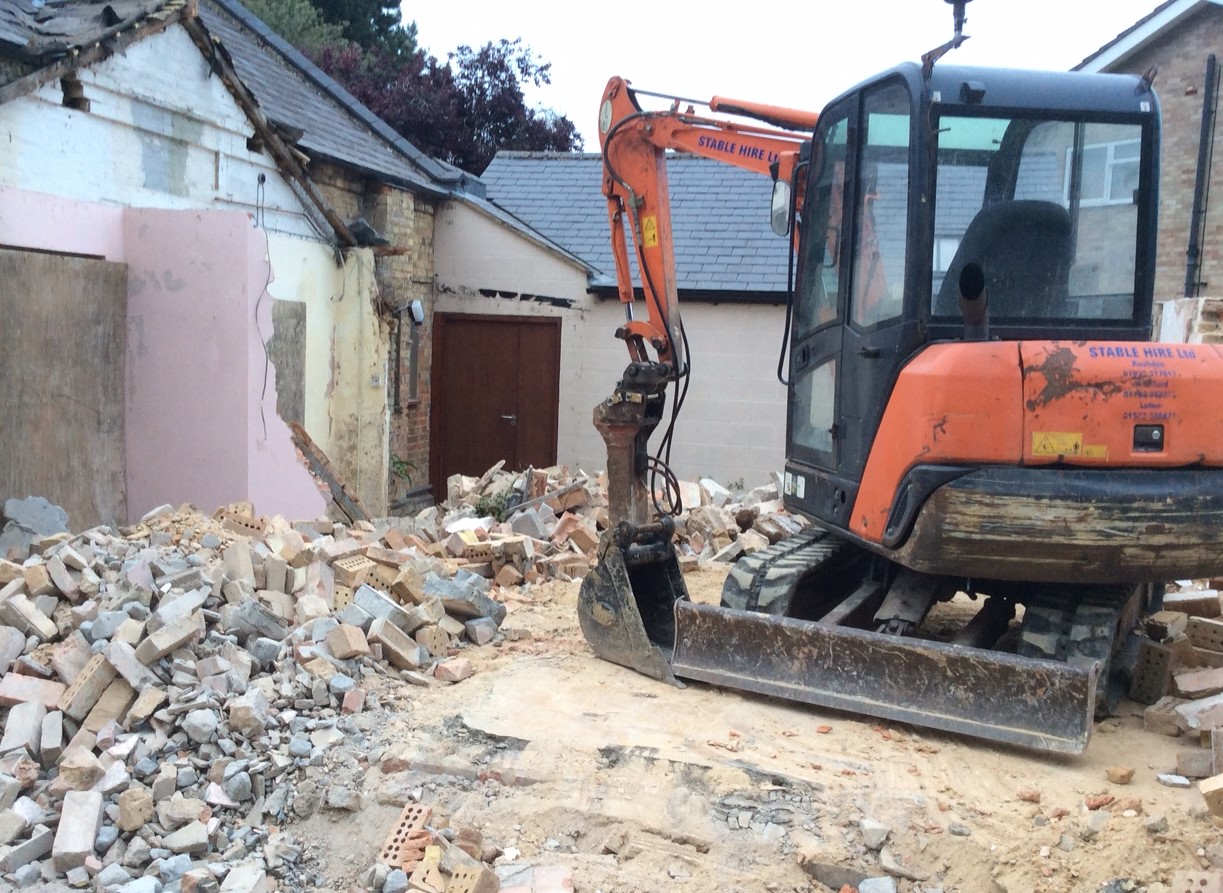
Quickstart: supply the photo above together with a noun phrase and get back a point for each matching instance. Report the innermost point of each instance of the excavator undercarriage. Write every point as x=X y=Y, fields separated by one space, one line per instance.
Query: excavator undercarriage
x=816 y=619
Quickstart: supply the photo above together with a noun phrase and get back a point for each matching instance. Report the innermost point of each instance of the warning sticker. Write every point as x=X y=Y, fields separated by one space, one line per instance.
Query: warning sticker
x=649 y=232
x=1056 y=443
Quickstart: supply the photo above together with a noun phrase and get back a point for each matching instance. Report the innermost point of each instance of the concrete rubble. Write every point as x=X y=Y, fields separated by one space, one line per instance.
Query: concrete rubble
x=172 y=692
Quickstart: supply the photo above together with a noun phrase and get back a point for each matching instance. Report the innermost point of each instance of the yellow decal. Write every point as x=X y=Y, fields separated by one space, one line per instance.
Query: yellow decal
x=649 y=232
x=1095 y=451
x=1056 y=443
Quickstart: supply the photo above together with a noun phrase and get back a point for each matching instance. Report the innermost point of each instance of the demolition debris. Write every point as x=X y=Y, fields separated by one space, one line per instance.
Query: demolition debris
x=171 y=690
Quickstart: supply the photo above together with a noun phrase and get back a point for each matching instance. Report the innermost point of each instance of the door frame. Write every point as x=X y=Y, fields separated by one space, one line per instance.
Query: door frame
x=437 y=383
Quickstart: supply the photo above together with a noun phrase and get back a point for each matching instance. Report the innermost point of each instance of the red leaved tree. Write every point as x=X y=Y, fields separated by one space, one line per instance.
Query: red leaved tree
x=462 y=111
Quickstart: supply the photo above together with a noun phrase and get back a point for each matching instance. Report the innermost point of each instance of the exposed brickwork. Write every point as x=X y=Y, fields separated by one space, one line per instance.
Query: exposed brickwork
x=1180 y=55
x=406 y=221
x=1203 y=321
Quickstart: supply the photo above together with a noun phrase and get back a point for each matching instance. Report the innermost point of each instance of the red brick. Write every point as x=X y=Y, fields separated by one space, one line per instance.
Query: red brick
x=10 y=571
x=354 y=701
x=87 y=688
x=38 y=580
x=454 y=670
x=1212 y=792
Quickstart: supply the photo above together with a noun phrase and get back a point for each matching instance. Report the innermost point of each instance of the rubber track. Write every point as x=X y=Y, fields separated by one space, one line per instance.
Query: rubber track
x=770 y=576
x=1072 y=622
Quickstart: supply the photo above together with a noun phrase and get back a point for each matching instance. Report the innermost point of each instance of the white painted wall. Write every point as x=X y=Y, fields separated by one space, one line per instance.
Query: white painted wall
x=733 y=424
x=305 y=272
x=139 y=178
x=160 y=133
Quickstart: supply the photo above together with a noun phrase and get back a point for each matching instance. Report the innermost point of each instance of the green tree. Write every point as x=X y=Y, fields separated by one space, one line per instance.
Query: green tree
x=297 y=21
x=371 y=24
x=462 y=110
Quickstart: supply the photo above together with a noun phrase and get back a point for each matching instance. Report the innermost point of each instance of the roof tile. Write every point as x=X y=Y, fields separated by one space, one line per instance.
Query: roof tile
x=720 y=216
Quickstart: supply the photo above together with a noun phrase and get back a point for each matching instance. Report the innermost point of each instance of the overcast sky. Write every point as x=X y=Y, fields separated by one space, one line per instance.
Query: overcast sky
x=798 y=54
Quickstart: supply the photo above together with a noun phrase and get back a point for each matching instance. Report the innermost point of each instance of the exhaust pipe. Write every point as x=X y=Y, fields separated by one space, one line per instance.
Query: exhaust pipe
x=974 y=304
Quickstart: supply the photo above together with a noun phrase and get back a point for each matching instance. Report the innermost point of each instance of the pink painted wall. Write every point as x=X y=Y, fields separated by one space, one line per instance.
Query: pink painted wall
x=187 y=367
x=201 y=423
x=276 y=480
x=49 y=223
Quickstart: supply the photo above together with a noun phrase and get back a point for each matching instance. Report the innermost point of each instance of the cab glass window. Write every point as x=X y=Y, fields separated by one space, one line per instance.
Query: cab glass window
x=883 y=206
x=813 y=409
x=1047 y=208
x=820 y=268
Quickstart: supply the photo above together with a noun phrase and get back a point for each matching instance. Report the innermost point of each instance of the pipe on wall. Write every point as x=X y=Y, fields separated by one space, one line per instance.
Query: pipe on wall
x=1201 y=184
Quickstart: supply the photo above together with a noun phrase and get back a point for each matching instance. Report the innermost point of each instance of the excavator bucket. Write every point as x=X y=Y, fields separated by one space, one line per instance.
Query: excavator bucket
x=625 y=604
x=635 y=611
x=1040 y=704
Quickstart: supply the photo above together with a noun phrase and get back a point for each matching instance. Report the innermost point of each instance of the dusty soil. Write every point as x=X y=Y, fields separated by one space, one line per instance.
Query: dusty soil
x=560 y=758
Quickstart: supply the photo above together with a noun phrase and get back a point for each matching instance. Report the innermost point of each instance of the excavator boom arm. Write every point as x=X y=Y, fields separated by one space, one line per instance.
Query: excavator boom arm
x=635 y=144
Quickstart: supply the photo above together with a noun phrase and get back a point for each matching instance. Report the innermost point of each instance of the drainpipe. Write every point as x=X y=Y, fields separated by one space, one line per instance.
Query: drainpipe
x=1201 y=185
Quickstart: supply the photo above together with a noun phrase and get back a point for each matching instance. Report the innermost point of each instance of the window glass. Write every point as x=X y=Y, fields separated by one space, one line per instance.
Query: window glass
x=883 y=203
x=1110 y=173
x=814 y=408
x=1095 y=174
x=819 y=279
x=1047 y=209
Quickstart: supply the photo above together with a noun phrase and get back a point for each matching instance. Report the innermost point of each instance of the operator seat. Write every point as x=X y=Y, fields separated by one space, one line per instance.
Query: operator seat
x=1023 y=247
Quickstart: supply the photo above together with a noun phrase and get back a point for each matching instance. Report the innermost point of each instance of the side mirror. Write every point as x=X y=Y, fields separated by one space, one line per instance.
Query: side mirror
x=779 y=212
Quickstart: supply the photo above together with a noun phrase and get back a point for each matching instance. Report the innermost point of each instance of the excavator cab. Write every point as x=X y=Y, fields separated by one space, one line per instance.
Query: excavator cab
x=1033 y=194
x=976 y=414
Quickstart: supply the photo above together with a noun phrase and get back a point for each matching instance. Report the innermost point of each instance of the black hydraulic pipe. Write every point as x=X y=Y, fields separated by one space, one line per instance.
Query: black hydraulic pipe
x=1201 y=185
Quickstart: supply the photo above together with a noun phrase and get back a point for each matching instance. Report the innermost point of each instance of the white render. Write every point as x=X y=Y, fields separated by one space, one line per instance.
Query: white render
x=733 y=424
x=160 y=132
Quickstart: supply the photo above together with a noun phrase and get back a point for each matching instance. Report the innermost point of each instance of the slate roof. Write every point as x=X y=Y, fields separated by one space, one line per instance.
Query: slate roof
x=36 y=35
x=723 y=242
x=294 y=91
x=289 y=88
x=47 y=31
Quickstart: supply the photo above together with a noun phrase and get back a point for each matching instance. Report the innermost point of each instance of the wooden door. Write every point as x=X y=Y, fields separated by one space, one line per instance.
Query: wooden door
x=496 y=391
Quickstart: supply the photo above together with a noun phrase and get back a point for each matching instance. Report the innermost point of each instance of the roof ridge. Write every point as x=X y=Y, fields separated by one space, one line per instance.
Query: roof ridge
x=563 y=156
x=1132 y=29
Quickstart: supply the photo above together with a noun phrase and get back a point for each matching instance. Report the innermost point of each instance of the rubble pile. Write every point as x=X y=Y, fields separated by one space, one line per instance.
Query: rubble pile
x=164 y=685
x=172 y=691
x=1179 y=673
x=569 y=513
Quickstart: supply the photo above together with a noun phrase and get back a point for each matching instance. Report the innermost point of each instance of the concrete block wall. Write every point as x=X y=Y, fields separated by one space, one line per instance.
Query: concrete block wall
x=1180 y=56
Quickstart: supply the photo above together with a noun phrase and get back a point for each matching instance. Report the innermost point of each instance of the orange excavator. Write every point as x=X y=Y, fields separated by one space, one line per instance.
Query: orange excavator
x=976 y=412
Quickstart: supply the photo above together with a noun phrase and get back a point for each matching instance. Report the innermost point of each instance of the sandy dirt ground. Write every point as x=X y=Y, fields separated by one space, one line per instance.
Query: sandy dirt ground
x=559 y=758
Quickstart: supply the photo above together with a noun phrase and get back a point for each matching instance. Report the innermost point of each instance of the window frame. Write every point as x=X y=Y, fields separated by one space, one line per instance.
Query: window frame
x=1110 y=163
